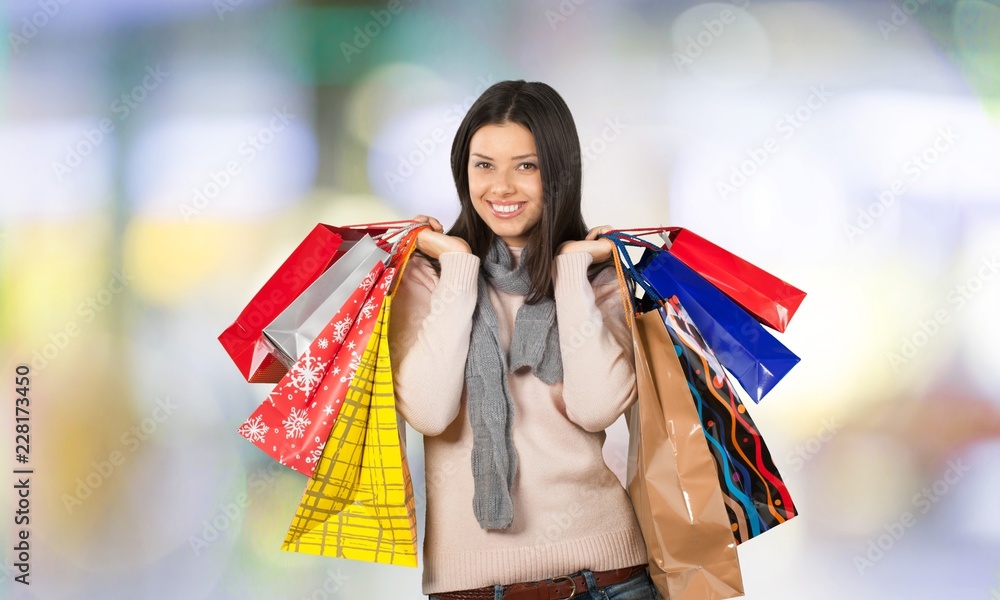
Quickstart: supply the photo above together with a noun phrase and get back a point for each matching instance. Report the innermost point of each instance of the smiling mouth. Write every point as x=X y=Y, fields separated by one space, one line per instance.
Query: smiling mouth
x=506 y=211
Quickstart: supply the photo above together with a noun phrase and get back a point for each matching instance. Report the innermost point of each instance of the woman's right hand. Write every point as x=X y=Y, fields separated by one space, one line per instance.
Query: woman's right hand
x=433 y=242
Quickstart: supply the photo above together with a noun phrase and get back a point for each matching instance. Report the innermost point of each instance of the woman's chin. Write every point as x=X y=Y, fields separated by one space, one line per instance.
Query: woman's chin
x=514 y=237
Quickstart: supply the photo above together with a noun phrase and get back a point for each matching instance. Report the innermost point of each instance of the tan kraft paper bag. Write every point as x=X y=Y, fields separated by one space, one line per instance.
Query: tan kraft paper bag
x=672 y=478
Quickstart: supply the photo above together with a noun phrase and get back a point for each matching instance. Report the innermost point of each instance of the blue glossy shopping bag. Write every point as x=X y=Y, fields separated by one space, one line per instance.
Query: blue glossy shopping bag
x=755 y=358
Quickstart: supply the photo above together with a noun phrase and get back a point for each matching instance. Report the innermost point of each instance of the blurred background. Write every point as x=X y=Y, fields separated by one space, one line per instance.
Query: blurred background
x=159 y=159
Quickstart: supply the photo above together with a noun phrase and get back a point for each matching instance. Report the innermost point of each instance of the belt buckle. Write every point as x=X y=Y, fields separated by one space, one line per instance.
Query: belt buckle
x=572 y=593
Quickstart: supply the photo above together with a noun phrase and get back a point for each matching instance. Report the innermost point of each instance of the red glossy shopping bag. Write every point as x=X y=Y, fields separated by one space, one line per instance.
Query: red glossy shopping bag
x=244 y=339
x=294 y=422
x=769 y=299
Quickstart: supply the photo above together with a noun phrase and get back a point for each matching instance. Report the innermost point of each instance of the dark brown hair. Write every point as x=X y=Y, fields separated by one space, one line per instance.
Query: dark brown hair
x=542 y=111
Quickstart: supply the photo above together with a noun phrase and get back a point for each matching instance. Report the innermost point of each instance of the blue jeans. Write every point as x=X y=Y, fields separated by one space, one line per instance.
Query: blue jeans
x=639 y=587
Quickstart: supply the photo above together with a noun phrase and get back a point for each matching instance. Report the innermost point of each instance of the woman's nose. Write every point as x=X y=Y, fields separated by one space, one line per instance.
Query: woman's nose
x=502 y=185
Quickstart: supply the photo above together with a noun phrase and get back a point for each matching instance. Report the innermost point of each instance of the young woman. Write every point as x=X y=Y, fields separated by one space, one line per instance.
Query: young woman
x=511 y=355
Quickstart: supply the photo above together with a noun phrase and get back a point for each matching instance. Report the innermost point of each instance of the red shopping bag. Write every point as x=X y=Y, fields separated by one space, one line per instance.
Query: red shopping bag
x=770 y=300
x=244 y=339
x=294 y=422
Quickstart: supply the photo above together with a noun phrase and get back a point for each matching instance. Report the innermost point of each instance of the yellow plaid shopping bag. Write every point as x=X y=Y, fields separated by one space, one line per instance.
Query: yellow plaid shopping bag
x=359 y=503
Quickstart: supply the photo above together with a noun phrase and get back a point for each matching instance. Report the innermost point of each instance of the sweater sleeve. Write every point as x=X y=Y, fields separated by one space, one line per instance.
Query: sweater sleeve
x=429 y=330
x=596 y=344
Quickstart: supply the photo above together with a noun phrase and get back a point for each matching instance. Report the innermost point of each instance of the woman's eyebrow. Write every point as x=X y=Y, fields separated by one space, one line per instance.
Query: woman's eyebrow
x=513 y=157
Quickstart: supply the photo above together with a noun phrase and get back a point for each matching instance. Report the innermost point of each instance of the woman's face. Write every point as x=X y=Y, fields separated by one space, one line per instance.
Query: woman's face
x=504 y=181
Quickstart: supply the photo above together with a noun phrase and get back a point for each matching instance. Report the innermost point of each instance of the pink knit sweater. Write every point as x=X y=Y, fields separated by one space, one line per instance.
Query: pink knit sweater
x=570 y=510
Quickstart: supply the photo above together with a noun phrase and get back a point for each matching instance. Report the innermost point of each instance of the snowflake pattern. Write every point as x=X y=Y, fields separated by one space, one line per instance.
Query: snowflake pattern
x=340 y=329
x=306 y=373
x=368 y=281
x=254 y=429
x=352 y=368
x=296 y=423
x=294 y=435
x=316 y=452
x=368 y=308
x=387 y=280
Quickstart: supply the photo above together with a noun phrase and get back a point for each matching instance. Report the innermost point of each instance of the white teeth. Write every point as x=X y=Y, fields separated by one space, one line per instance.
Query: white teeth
x=506 y=209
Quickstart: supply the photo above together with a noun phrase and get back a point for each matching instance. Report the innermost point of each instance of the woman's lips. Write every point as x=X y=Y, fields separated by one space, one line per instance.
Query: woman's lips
x=507 y=215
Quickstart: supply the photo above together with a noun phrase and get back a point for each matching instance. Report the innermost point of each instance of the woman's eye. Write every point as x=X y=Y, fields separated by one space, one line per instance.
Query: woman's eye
x=482 y=165
x=528 y=166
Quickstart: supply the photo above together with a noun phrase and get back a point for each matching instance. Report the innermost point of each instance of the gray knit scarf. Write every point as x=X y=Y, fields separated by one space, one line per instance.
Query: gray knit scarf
x=535 y=344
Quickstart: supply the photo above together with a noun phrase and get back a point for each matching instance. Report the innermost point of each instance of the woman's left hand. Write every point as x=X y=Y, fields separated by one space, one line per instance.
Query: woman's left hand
x=600 y=249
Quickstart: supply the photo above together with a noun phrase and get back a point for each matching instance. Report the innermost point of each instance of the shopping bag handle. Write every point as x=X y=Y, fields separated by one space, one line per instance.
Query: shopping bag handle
x=405 y=245
x=633 y=240
x=649 y=230
x=398 y=231
x=636 y=275
x=383 y=239
x=621 y=254
x=628 y=297
x=636 y=232
x=380 y=224
x=402 y=251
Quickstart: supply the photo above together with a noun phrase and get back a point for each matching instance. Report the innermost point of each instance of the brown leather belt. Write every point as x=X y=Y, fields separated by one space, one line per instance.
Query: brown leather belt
x=557 y=588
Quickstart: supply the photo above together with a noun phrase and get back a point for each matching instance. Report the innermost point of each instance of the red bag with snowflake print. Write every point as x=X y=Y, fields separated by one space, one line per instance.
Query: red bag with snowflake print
x=291 y=332
x=245 y=340
x=294 y=422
